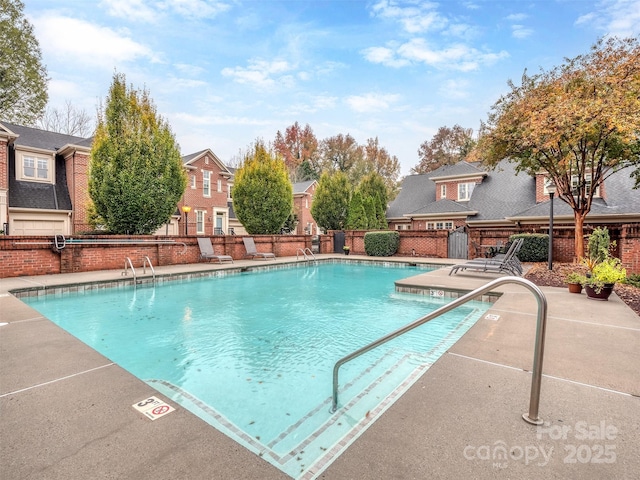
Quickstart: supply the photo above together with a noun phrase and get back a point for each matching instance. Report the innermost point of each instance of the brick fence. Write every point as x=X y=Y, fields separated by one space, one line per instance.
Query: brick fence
x=26 y=256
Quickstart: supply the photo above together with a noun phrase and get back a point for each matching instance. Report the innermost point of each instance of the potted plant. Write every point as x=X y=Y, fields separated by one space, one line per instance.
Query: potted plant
x=575 y=281
x=599 y=284
x=346 y=250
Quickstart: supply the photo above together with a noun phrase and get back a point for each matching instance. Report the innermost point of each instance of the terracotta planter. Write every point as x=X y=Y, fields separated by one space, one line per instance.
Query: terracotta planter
x=603 y=295
x=575 y=287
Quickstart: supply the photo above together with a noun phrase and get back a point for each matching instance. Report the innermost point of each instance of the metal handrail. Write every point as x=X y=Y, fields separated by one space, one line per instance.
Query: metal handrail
x=127 y=262
x=144 y=269
x=534 y=401
x=304 y=253
x=59 y=242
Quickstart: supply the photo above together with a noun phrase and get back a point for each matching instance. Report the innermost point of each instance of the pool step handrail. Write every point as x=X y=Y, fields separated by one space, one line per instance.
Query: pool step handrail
x=304 y=252
x=534 y=400
x=128 y=264
x=146 y=261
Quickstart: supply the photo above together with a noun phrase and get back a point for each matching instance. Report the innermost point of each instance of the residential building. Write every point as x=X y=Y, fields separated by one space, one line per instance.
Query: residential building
x=302 y=199
x=468 y=195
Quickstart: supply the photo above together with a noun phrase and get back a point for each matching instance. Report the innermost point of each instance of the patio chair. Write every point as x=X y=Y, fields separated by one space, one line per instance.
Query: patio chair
x=252 y=252
x=501 y=263
x=207 y=253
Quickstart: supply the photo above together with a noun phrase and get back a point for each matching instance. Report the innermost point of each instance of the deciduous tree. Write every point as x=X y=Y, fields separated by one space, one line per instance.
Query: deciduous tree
x=379 y=161
x=23 y=77
x=447 y=147
x=299 y=149
x=69 y=120
x=339 y=153
x=262 y=192
x=579 y=123
x=136 y=175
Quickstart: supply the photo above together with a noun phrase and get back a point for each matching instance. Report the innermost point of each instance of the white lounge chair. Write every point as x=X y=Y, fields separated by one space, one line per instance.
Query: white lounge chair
x=207 y=253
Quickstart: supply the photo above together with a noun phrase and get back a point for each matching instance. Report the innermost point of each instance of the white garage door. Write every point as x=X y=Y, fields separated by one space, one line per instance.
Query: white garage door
x=44 y=226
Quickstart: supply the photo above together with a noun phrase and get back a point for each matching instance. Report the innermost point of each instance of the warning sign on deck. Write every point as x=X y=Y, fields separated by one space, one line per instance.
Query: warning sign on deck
x=153 y=407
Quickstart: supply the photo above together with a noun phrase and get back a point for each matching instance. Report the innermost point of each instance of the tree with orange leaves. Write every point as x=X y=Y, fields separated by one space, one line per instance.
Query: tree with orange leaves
x=579 y=123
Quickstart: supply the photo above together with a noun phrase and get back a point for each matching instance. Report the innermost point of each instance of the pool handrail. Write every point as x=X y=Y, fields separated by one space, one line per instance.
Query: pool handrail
x=304 y=253
x=534 y=400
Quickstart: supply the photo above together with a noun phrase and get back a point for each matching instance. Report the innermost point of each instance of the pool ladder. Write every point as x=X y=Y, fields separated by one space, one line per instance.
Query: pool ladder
x=534 y=401
x=129 y=265
x=304 y=254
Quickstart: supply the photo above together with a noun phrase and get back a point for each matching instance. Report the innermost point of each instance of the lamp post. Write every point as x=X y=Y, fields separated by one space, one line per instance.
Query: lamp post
x=551 y=190
x=186 y=210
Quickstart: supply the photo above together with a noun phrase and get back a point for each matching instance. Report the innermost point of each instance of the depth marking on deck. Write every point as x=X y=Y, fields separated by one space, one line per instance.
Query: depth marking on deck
x=153 y=407
x=491 y=316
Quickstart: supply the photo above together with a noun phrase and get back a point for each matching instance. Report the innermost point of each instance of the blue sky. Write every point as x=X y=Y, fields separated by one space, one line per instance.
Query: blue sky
x=224 y=73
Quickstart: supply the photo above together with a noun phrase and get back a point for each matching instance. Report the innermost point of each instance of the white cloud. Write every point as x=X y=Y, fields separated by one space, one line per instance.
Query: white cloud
x=196 y=8
x=414 y=17
x=261 y=74
x=614 y=17
x=454 y=89
x=372 y=102
x=78 y=41
x=516 y=17
x=150 y=10
x=385 y=56
x=520 y=31
x=130 y=9
x=417 y=50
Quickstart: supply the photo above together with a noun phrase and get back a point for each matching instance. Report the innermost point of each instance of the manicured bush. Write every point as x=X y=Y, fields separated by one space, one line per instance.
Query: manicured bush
x=535 y=247
x=381 y=244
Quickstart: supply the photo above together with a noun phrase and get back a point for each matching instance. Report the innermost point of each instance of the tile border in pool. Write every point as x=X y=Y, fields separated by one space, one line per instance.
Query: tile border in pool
x=125 y=283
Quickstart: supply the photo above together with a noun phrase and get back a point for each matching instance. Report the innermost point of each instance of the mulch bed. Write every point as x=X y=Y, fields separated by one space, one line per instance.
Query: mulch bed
x=540 y=274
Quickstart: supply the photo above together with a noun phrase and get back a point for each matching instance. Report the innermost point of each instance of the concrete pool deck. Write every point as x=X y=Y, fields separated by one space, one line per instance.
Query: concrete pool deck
x=66 y=411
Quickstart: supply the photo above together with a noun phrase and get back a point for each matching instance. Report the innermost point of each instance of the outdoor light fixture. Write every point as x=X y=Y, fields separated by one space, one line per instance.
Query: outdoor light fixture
x=551 y=190
x=186 y=210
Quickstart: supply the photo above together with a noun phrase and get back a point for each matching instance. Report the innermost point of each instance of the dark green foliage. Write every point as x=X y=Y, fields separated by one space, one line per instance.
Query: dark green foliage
x=23 y=77
x=381 y=244
x=331 y=201
x=136 y=175
x=381 y=215
x=262 y=192
x=535 y=247
x=357 y=218
x=633 y=280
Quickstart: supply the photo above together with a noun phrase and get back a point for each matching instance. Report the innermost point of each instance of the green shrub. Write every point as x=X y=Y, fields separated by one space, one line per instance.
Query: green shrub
x=381 y=244
x=633 y=280
x=599 y=244
x=535 y=247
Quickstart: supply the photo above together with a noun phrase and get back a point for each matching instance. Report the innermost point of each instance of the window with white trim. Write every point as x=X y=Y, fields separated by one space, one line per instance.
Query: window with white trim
x=575 y=180
x=206 y=183
x=36 y=169
x=443 y=191
x=219 y=185
x=200 y=221
x=442 y=225
x=193 y=182
x=229 y=191
x=465 y=190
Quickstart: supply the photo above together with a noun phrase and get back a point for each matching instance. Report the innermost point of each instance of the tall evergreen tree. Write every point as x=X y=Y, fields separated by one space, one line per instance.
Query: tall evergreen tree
x=357 y=217
x=262 y=192
x=23 y=77
x=331 y=201
x=136 y=174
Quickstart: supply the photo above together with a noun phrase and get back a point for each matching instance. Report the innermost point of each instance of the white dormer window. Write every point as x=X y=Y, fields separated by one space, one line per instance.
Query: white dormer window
x=464 y=191
x=35 y=169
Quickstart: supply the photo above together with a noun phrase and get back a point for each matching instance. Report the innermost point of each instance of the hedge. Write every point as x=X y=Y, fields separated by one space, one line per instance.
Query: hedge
x=535 y=247
x=381 y=244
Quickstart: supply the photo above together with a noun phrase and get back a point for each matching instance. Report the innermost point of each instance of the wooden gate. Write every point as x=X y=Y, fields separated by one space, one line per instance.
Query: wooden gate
x=458 y=244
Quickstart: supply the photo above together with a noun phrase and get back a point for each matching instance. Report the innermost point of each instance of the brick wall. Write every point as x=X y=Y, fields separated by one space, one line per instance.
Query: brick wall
x=28 y=256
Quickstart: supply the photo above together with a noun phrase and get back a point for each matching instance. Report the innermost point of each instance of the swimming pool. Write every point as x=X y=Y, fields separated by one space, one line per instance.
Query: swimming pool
x=252 y=354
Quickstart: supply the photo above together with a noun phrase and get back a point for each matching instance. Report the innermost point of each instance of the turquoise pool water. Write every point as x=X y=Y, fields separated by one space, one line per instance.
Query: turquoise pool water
x=252 y=354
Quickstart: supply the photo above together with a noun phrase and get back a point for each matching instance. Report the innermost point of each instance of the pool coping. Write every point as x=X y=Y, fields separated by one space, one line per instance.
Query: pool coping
x=55 y=431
